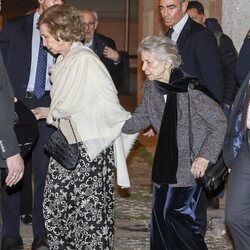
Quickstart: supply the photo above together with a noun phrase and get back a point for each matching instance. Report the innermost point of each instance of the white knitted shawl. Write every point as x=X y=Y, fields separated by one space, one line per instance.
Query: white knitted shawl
x=84 y=91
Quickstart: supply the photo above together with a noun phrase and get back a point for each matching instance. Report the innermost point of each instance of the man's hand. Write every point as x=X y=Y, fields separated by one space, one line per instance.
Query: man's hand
x=15 y=166
x=111 y=54
x=199 y=167
x=40 y=112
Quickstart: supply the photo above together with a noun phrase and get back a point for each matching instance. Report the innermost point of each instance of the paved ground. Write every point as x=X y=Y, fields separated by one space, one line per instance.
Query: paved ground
x=133 y=209
x=133 y=206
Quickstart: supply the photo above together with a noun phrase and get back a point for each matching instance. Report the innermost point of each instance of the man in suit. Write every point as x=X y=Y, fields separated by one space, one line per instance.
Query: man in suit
x=10 y=158
x=103 y=46
x=227 y=51
x=196 y=45
x=236 y=153
x=200 y=56
x=229 y=56
x=24 y=54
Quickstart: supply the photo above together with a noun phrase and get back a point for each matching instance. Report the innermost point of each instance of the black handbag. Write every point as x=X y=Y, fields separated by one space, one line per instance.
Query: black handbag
x=215 y=174
x=67 y=155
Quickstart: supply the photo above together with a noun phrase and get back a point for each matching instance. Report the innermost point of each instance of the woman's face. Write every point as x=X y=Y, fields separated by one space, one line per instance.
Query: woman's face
x=54 y=46
x=155 y=70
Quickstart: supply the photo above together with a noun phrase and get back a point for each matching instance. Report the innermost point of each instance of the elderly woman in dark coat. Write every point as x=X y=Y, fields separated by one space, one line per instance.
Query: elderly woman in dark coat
x=171 y=100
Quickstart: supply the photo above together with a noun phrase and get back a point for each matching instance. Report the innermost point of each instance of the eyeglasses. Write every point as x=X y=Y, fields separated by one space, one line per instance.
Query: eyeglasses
x=90 y=24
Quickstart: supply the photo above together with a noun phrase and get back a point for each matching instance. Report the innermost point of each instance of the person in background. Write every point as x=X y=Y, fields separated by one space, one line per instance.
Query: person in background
x=237 y=157
x=196 y=11
x=27 y=63
x=79 y=204
x=236 y=153
x=197 y=46
x=10 y=158
x=201 y=59
x=170 y=99
x=243 y=64
x=229 y=57
x=103 y=46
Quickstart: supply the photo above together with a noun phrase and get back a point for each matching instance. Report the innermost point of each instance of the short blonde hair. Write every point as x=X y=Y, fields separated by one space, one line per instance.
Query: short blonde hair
x=63 y=22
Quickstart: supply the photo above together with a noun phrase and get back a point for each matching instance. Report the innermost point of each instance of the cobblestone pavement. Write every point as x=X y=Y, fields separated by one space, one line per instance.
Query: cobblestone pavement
x=133 y=208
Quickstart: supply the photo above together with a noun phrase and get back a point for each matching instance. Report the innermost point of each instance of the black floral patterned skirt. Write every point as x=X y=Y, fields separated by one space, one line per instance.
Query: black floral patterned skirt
x=79 y=205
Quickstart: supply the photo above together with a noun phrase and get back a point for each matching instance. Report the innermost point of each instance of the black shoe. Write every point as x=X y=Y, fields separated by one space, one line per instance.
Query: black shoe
x=12 y=243
x=40 y=243
x=26 y=219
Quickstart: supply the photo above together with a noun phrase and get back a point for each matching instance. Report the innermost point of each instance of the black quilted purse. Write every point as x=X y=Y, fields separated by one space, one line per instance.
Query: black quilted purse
x=215 y=174
x=67 y=155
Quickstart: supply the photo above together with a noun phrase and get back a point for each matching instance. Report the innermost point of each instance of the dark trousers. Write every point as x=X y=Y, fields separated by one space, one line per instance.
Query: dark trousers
x=174 y=225
x=11 y=196
x=201 y=212
x=238 y=197
x=26 y=199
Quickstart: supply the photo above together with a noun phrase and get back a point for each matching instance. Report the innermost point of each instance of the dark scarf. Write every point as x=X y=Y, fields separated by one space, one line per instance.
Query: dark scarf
x=166 y=155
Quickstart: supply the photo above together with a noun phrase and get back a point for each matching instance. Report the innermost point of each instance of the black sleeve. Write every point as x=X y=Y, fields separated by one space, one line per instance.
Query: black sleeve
x=243 y=65
x=8 y=141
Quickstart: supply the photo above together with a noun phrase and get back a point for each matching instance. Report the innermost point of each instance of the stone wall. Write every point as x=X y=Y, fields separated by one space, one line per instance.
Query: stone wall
x=236 y=19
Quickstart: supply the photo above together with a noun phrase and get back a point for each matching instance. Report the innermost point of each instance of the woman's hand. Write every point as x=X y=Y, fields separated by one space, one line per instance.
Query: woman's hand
x=40 y=112
x=149 y=133
x=199 y=167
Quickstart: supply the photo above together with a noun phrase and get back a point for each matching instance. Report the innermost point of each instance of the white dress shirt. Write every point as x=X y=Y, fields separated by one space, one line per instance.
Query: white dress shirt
x=178 y=28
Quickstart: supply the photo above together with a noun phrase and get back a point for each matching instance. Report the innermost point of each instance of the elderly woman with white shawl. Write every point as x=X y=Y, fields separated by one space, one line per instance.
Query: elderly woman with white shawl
x=79 y=204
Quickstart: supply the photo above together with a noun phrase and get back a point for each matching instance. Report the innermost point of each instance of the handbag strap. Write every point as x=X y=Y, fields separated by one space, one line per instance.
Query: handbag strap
x=71 y=128
x=190 y=137
x=73 y=131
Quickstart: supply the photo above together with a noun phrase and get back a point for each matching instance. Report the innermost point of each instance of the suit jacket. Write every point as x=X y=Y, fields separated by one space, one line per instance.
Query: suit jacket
x=201 y=58
x=8 y=141
x=16 y=46
x=231 y=133
x=115 y=70
x=208 y=126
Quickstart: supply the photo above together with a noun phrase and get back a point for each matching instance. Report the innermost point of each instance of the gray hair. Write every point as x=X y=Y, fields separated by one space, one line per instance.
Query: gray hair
x=92 y=12
x=162 y=48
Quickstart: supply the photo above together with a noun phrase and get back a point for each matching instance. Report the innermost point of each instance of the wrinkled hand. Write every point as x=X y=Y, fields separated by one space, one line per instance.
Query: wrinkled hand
x=15 y=166
x=111 y=54
x=149 y=133
x=40 y=112
x=199 y=167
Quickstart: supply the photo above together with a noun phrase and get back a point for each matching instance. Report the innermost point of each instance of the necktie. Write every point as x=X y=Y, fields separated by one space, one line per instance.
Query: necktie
x=39 y=89
x=245 y=108
x=169 y=32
